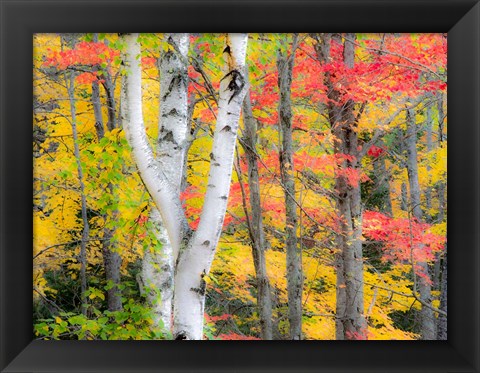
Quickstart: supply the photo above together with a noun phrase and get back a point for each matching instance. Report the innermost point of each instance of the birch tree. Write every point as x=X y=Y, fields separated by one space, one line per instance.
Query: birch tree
x=193 y=252
x=158 y=264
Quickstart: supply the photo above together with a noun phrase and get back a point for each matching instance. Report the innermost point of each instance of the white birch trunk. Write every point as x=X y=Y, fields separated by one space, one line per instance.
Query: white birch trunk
x=158 y=264
x=157 y=275
x=194 y=263
x=157 y=183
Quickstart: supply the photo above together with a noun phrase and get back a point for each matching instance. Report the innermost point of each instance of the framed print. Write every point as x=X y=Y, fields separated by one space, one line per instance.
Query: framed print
x=346 y=100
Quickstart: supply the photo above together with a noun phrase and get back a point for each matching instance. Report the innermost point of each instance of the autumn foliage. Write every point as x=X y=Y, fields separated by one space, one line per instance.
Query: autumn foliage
x=391 y=73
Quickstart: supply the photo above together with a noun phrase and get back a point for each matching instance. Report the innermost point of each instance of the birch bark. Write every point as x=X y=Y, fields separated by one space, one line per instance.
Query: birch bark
x=195 y=262
x=192 y=254
x=158 y=264
x=156 y=181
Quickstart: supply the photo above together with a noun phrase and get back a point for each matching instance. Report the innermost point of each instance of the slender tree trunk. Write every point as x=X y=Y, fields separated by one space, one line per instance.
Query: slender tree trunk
x=427 y=320
x=112 y=261
x=294 y=255
x=441 y=187
x=428 y=129
x=110 y=93
x=350 y=321
x=70 y=82
x=404 y=197
x=382 y=185
x=97 y=109
x=264 y=299
x=442 y=319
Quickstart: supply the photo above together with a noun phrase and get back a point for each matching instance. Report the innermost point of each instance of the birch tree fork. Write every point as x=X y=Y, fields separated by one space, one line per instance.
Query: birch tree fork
x=195 y=262
x=158 y=185
x=158 y=264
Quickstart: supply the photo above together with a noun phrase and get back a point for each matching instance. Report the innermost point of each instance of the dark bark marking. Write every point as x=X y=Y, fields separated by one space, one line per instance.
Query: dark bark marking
x=181 y=336
x=178 y=80
x=172 y=112
x=237 y=82
x=203 y=285
x=168 y=136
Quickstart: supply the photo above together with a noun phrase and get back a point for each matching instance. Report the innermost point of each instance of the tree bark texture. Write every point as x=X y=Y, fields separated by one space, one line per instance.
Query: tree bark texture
x=442 y=319
x=350 y=320
x=70 y=82
x=195 y=262
x=158 y=184
x=111 y=259
x=264 y=299
x=294 y=255
x=427 y=319
x=382 y=184
x=158 y=263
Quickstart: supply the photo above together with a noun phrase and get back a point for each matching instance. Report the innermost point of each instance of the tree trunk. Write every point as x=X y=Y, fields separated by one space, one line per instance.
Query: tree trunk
x=158 y=263
x=195 y=262
x=70 y=83
x=264 y=300
x=192 y=254
x=442 y=319
x=428 y=128
x=111 y=259
x=157 y=274
x=350 y=320
x=163 y=193
x=382 y=184
x=427 y=320
x=441 y=187
x=404 y=197
x=294 y=255
x=110 y=93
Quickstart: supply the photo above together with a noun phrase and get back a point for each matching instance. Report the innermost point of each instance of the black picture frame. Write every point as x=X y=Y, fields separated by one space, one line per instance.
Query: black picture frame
x=20 y=19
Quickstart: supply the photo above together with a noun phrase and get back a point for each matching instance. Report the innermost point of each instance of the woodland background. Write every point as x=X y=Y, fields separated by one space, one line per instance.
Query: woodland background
x=338 y=187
